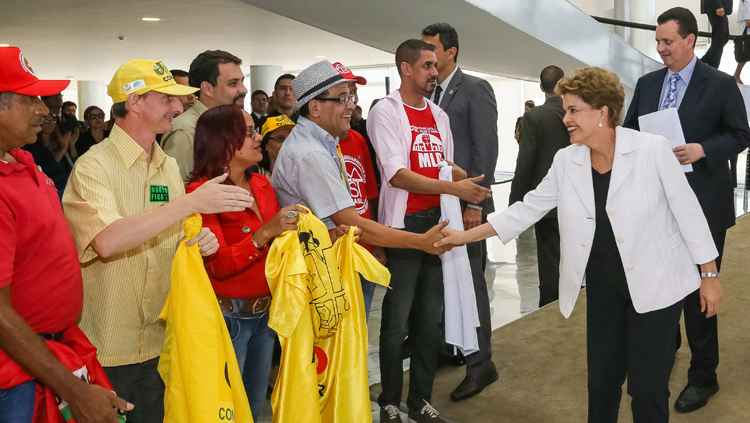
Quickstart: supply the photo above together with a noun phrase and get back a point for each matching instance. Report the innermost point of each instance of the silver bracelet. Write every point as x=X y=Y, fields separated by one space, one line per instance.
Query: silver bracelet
x=474 y=206
x=709 y=275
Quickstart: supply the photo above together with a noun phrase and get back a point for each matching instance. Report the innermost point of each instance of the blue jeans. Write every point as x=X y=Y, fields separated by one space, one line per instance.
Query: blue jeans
x=17 y=403
x=368 y=291
x=253 y=343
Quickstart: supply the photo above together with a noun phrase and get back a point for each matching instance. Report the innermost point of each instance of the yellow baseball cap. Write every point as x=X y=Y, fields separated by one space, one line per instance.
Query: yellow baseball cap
x=139 y=76
x=275 y=122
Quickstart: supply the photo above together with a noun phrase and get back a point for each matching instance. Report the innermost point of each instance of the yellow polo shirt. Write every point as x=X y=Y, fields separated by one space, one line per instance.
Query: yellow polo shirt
x=123 y=295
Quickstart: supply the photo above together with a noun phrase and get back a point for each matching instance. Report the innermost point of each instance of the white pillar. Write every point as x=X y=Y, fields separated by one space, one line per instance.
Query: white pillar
x=262 y=77
x=640 y=11
x=93 y=93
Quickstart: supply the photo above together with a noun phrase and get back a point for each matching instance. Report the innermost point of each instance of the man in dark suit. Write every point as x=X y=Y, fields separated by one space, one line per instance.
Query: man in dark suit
x=543 y=134
x=717 y=12
x=471 y=107
x=714 y=122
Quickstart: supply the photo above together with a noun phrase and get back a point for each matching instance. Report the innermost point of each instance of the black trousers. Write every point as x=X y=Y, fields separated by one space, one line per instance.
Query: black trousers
x=702 y=333
x=719 y=38
x=477 y=252
x=413 y=307
x=623 y=343
x=141 y=385
x=547 y=234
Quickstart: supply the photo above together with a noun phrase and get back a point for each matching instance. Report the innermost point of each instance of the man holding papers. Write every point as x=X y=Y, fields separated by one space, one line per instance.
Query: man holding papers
x=714 y=124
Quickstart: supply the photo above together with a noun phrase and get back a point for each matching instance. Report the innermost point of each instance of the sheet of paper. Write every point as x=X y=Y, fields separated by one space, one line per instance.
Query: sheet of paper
x=667 y=124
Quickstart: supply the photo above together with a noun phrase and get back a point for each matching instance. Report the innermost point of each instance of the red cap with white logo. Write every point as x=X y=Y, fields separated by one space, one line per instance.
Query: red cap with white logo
x=16 y=76
x=347 y=74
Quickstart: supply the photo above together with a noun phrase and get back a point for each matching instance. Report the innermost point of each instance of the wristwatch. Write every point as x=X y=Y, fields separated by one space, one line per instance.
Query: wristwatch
x=709 y=275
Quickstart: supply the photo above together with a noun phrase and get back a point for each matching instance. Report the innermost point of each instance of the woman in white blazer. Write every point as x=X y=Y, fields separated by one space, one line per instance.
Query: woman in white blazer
x=631 y=228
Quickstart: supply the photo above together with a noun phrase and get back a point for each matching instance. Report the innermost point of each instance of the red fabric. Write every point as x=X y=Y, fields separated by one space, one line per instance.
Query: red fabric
x=75 y=352
x=237 y=270
x=38 y=258
x=359 y=172
x=425 y=156
x=17 y=76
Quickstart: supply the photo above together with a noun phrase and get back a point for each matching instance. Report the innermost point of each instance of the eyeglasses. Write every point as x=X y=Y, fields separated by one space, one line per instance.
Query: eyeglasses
x=343 y=99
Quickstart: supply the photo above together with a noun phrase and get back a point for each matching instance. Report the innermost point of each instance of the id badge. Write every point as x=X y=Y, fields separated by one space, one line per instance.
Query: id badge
x=159 y=193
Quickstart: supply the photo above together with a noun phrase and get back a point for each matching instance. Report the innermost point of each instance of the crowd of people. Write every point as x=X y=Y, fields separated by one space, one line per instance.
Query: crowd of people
x=91 y=232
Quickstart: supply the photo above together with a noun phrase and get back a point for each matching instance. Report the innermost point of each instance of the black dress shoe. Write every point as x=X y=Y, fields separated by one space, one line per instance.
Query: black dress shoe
x=477 y=378
x=694 y=397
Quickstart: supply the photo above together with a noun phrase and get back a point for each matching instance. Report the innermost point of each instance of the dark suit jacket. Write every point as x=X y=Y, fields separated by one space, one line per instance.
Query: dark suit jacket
x=713 y=114
x=542 y=135
x=710 y=6
x=471 y=107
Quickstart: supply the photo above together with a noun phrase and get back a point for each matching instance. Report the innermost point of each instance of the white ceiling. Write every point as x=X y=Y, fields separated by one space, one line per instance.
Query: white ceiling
x=78 y=38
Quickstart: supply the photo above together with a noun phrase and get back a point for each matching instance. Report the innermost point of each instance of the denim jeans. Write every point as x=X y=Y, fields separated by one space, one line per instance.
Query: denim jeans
x=253 y=343
x=368 y=290
x=413 y=307
x=17 y=403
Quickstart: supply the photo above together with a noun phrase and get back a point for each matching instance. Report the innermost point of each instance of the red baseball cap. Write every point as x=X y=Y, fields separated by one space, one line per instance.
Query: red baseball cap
x=16 y=76
x=347 y=74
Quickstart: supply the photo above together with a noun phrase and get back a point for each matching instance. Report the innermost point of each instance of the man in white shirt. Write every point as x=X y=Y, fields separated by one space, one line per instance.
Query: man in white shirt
x=412 y=136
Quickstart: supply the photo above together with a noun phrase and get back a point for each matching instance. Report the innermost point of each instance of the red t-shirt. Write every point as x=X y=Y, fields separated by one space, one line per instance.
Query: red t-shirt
x=425 y=156
x=359 y=172
x=238 y=269
x=38 y=258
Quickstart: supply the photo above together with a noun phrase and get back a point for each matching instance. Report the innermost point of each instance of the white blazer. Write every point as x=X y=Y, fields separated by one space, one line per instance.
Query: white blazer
x=659 y=227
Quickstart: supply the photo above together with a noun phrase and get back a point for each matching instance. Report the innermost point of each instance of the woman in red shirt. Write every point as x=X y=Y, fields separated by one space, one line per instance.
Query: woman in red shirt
x=226 y=141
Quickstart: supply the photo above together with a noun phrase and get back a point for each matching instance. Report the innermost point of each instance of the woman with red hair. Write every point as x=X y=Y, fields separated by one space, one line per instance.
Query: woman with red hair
x=226 y=141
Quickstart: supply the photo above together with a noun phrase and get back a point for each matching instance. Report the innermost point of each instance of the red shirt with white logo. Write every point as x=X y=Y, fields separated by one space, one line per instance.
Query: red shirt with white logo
x=425 y=156
x=38 y=258
x=359 y=172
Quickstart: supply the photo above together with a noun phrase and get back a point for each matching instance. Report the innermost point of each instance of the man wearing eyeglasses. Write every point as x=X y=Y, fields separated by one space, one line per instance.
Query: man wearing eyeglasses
x=309 y=169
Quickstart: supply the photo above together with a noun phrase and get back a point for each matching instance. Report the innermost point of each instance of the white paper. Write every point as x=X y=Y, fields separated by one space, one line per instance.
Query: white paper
x=667 y=124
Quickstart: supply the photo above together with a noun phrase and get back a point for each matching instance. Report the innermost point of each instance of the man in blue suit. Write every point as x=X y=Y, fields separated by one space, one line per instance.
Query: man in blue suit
x=714 y=121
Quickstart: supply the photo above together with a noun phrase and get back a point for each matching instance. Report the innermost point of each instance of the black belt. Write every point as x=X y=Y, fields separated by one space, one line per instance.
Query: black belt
x=244 y=308
x=426 y=214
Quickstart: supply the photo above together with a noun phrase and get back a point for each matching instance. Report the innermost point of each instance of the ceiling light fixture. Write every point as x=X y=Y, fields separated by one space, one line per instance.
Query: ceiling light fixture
x=148 y=19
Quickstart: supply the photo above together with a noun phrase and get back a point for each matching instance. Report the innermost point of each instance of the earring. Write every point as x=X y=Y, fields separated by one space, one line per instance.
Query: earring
x=600 y=124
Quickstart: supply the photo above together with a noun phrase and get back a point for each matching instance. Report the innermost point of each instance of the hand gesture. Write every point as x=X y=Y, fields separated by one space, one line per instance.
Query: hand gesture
x=469 y=191
x=207 y=242
x=215 y=197
x=689 y=153
x=472 y=218
x=94 y=404
x=710 y=293
x=430 y=240
x=285 y=220
x=451 y=238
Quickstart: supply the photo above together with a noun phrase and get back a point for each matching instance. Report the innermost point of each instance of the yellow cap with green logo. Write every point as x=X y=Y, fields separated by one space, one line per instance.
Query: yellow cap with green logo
x=275 y=122
x=139 y=76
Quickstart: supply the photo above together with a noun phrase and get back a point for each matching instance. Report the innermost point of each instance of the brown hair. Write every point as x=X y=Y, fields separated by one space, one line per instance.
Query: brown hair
x=597 y=87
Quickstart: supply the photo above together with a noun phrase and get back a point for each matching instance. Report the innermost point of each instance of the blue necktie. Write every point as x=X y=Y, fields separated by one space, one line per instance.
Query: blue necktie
x=670 y=100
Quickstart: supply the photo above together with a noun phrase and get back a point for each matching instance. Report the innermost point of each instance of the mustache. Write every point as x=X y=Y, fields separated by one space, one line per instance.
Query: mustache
x=239 y=97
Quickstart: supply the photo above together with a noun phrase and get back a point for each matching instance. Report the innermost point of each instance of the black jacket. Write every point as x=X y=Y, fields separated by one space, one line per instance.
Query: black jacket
x=542 y=135
x=713 y=114
x=710 y=6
